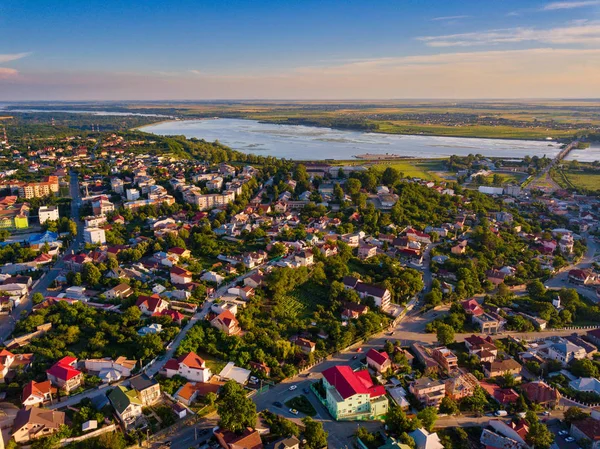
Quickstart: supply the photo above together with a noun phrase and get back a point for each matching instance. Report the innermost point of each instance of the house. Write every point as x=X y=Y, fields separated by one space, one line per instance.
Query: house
x=493 y=440
x=351 y=395
x=255 y=280
x=445 y=358
x=232 y=372
x=425 y=440
x=379 y=361
x=541 y=393
x=94 y=236
x=483 y=348
x=147 y=389
x=127 y=405
x=120 y=291
x=565 y=352
x=304 y=258
x=423 y=356
x=37 y=393
x=587 y=429
x=190 y=366
x=594 y=336
x=287 y=443
x=501 y=367
x=428 y=391
x=461 y=386
x=179 y=252
x=367 y=251
x=496 y=277
x=580 y=277
x=10 y=361
x=589 y=384
x=472 y=307
x=46 y=213
x=417 y=236
x=187 y=393
x=109 y=369
x=306 y=346
x=180 y=275
x=260 y=368
x=249 y=439
x=64 y=375
x=460 y=248
x=381 y=296
x=154 y=328
x=489 y=323
x=226 y=322
x=33 y=422
x=149 y=305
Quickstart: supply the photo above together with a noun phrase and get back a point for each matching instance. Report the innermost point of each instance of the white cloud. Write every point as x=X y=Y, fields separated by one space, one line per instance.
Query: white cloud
x=7 y=73
x=581 y=32
x=12 y=57
x=570 y=5
x=435 y=19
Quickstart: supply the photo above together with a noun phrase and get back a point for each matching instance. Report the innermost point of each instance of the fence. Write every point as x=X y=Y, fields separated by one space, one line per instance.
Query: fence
x=93 y=434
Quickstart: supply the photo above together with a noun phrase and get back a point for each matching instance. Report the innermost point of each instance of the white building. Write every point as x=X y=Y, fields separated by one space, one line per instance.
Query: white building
x=94 y=236
x=46 y=213
x=132 y=194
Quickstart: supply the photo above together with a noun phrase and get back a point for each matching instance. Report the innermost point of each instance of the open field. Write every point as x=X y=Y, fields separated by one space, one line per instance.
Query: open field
x=424 y=169
x=578 y=179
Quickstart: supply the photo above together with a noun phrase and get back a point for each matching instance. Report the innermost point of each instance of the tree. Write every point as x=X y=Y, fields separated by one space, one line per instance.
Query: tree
x=91 y=274
x=448 y=406
x=434 y=297
x=316 y=437
x=37 y=298
x=445 y=334
x=111 y=440
x=539 y=436
x=584 y=368
x=353 y=186
x=476 y=402
x=536 y=289
x=235 y=409
x=428 y=417
x=574 y=414
x=211 y=398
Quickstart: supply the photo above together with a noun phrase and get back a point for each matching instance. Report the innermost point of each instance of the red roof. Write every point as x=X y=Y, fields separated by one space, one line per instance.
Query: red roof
x=506 y=396
x=192 y=360
x=472 y=307
x=378 y=357
x=174 y=314
x=63 y=369
x=348 y=383
x=172 y=364
x=151 y=302
x=180 y=271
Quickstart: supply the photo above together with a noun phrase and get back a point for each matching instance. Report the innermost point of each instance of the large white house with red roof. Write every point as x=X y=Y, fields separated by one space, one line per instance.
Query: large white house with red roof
x=190 y=365
x=149 y=305
x=352 y=395
x=64 y=375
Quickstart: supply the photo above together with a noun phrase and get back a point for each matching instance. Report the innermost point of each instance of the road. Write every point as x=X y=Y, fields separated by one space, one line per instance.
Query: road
x=7 y=323
x=543 y=180
x=561 y=280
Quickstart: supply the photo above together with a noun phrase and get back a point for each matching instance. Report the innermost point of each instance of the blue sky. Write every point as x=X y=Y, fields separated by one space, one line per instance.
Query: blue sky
x=298 y=49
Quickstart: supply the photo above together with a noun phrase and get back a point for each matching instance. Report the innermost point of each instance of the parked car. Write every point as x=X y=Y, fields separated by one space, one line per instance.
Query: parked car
x=563 y=432
x=355 y=357
x=293 y=411
x=305 y=390
x=293 y=387
x=546 y=413
x=278 y=404
x=569 y=439
x=501 y=413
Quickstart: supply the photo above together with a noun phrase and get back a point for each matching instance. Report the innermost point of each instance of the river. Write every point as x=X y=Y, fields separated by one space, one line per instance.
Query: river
x=311 y=143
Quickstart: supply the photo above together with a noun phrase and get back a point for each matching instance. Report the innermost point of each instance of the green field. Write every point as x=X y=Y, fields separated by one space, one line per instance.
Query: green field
x=481 y=131
x=583 y=180
x=424 y=169
x=303 y=300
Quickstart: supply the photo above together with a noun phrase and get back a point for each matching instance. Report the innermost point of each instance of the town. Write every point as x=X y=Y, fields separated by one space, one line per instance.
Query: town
x=170 y=292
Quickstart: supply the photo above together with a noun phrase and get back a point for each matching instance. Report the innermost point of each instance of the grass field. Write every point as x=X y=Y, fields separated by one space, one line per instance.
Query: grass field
x=424 y=169
x=302 y=404
x=215 y=365
x=583 y=180
x=304 y=300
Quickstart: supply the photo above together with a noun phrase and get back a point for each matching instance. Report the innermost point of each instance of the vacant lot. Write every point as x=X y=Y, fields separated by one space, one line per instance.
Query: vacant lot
x=583 y=180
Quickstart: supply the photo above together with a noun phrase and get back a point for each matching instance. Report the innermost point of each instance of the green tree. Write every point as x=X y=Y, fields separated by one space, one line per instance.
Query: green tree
x=235 y=409
x=316 y=437
x=91 y=274
x=434 y=297
x=37 y=298
x=445 y=334
x=536 y=289
x=428 y=417
x=574 y=414
x=584 y=368
x=539 y=436
x=449 y=406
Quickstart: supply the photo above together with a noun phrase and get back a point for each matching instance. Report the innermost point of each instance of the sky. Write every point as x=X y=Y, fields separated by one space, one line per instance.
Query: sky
x=75 y=50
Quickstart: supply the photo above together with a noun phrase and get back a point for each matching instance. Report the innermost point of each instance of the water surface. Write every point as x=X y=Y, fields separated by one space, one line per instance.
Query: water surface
x=312 y=143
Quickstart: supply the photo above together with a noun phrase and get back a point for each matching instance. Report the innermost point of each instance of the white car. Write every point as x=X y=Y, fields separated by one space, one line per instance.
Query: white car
x=293 y=411
x=562 y=432
x=569 y=439
x=293 y=387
